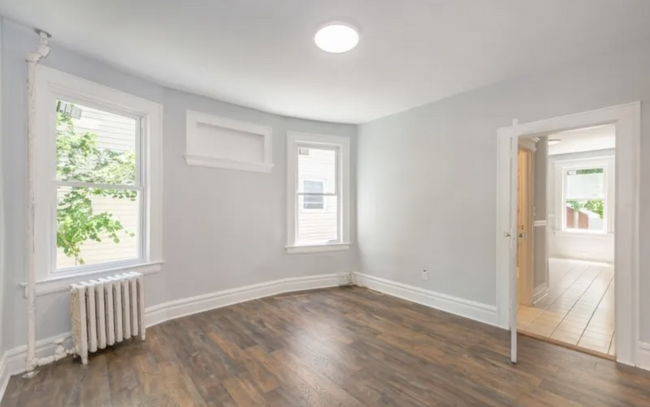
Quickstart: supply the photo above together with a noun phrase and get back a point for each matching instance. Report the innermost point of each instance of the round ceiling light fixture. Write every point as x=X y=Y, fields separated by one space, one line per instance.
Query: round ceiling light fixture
x=336 y=38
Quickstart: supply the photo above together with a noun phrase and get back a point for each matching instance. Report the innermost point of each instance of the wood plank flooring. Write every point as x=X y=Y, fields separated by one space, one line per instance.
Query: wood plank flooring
x=335 y=347
x=578 y=309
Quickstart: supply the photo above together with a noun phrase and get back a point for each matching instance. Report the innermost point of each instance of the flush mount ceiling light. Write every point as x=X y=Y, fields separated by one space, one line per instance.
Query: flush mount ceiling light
x=554 y=141
x=336 y=38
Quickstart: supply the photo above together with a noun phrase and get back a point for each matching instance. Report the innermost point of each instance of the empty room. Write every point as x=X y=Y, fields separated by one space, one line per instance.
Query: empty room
x=324 y=203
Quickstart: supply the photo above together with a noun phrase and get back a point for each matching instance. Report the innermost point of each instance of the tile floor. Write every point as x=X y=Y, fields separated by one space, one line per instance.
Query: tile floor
x=579 y=307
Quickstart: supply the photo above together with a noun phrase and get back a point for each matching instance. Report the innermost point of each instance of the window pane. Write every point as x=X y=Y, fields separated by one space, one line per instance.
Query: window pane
x=585 y=199
x=96 y=226
x=317 y=166
x=318 y=226
x=313 y=201
x=94 y=146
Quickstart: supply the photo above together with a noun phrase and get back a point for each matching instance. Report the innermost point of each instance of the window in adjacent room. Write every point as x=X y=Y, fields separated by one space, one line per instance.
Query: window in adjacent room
x=585 y=199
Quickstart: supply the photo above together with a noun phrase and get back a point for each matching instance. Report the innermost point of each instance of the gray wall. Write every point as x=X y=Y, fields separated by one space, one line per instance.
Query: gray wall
x=427 y=176
x=222 y=229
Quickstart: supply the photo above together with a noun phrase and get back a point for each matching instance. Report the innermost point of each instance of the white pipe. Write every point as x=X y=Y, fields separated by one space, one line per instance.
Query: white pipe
x=32 y=60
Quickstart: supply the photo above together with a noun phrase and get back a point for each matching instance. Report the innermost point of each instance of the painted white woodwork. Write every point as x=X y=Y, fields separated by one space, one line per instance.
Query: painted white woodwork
x=106 y=311
x=218 y=142
x=342 y=190
x=51 y=85
x=627 y=121
x=30 y=237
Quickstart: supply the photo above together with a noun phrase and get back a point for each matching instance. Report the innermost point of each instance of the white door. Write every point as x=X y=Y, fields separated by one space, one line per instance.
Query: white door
x=512 y=259
x=507 y=233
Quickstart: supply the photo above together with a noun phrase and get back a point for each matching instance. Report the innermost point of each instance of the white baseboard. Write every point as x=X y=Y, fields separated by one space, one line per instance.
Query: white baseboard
x=4 y=375
x=454 y=305
x=643 y=355
x=12 y=361
x=188 y=306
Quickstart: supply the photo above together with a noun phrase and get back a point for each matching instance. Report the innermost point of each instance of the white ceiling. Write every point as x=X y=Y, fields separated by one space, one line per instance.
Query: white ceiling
x=260 y=53
x=588 y=139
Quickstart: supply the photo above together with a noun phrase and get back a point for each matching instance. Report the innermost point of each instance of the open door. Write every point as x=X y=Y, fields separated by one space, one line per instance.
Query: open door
x=512 y=235
x=525 y=199
x=507 y=232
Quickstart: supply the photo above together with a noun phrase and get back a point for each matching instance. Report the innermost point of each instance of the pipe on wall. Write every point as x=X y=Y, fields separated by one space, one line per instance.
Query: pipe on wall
x=32 y=60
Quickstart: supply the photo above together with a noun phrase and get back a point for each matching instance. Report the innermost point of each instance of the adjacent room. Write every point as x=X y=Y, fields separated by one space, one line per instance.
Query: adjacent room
x=324 y=203
x=566 y=256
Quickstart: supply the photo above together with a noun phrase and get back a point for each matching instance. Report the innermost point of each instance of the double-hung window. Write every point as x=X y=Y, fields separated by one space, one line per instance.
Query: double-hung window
x=318 y=193
x=586 y=196
x=98 y=178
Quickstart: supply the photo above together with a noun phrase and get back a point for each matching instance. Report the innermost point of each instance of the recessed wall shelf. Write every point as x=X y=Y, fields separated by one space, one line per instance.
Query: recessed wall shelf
x=217 y=142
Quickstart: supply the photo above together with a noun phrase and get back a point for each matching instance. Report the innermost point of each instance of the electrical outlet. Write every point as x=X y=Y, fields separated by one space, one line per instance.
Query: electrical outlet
x=425 y=275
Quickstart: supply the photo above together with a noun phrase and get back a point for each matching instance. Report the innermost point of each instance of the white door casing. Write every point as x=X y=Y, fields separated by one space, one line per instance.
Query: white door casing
x=627 y=120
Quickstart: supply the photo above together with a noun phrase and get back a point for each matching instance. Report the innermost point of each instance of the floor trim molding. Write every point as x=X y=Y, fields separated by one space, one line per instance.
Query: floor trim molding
x=443 y=302
x=4 y=376
x=201 y=303
x=12 y=361
x=643 y=355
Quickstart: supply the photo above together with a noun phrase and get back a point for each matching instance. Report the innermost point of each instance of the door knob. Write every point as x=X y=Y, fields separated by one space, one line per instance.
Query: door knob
x=522 y=235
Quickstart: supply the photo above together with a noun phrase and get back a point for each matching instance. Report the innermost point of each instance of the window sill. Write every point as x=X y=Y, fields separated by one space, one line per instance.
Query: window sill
x=332 y=247
x=584 y=234
x=213 y=162
x=61 y=284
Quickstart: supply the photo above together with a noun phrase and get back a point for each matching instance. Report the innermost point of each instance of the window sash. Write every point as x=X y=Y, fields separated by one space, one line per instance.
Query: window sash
x=336 y=193
x=564 y=198
x=339 y=219
x=339 y=191
x=139 y=186
x=337 y=168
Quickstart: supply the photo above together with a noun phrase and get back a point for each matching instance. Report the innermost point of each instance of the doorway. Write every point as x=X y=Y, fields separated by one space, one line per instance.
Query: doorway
x=626 y=119
x=565 y=251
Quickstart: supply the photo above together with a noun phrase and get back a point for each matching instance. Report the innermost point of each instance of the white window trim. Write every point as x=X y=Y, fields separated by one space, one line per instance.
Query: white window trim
x=561 y=167
x=295 y=140
x=50 y=85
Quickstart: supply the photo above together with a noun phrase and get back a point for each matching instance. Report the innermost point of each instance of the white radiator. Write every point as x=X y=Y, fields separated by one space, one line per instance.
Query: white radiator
x=106 y=311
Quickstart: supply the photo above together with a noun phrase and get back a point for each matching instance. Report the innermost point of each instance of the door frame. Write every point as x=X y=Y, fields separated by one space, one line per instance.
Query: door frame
x=525 y=274
x=627 y=119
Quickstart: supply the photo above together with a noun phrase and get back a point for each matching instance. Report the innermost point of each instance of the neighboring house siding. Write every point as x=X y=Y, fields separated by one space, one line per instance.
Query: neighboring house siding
x=116 y=133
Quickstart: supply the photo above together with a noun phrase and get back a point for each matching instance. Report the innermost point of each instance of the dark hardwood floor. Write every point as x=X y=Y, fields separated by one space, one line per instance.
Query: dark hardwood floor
x=336 y=347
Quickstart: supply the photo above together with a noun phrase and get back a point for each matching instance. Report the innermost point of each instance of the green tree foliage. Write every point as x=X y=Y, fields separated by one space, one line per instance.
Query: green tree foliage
x=590 y=171
x=575 y=205
x=594 y=205
x=79 y=159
